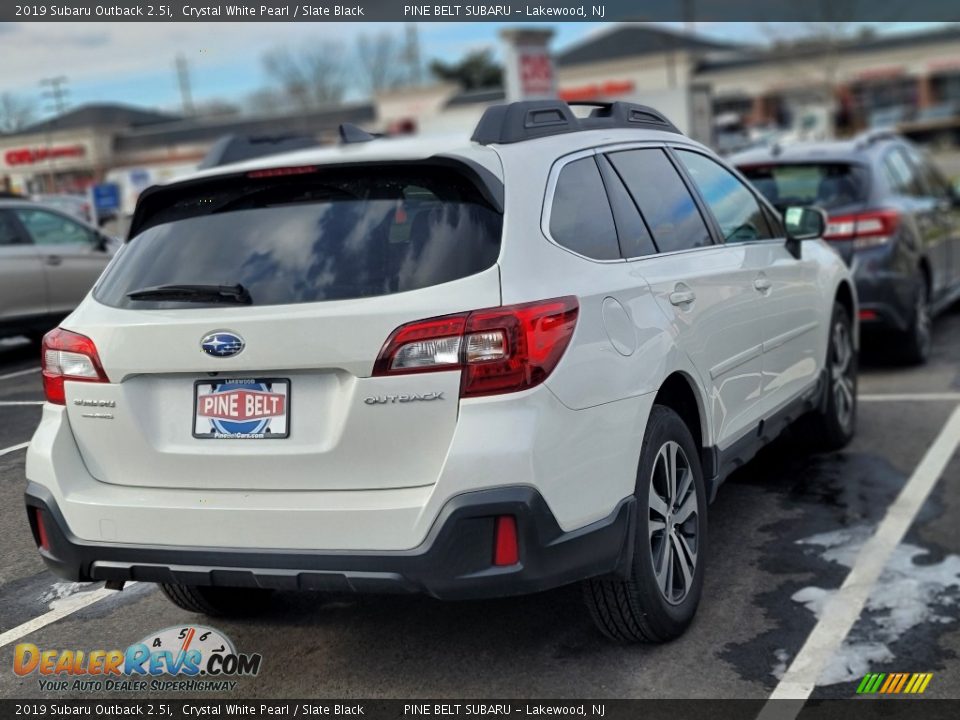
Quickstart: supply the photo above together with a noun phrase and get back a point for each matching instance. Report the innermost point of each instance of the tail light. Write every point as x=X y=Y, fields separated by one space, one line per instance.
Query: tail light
x=68 y=356
x=499 y=350
x=865 y=229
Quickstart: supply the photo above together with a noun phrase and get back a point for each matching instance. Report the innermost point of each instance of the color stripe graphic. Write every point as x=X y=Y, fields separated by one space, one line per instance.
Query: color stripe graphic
x=894 y=683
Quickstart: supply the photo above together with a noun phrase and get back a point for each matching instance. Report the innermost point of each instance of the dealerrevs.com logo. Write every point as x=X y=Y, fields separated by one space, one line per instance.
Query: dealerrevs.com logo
x=185 y=659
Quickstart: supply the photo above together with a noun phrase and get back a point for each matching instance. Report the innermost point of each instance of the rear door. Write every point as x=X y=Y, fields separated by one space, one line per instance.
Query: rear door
x=705 y=289
x=924 y=213
x=948 y=215
x=23 y=288
x=273 y=387
x=786 y=286
x=73 y=255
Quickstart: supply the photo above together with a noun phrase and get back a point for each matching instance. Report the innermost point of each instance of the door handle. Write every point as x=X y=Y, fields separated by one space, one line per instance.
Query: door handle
x=682 y=297
x=762 y=284
x=54 y=259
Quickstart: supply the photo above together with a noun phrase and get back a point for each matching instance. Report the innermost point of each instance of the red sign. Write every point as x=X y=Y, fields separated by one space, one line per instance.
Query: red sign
x=30 y=156
x=536 y=73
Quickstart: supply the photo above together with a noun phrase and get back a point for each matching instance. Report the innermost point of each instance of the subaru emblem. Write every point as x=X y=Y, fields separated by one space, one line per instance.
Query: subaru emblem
x=222 y=344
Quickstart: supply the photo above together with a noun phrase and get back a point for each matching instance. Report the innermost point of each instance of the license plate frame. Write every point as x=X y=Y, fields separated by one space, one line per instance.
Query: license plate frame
x=252 y=427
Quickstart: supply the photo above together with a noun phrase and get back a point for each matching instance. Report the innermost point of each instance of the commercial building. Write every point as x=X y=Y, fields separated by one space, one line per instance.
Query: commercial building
x=868 y=80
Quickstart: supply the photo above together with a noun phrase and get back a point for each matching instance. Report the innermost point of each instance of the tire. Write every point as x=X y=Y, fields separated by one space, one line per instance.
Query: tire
x=647 y=606
x=917 y=340
x=217 y=601
x=833 y=426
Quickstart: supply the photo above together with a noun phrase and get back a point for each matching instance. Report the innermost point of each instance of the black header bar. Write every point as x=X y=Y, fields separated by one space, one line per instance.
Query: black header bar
x=544 y=12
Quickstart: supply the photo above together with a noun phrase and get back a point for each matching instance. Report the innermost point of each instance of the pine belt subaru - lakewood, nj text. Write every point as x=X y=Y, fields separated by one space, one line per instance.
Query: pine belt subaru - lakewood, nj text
x=470 y=368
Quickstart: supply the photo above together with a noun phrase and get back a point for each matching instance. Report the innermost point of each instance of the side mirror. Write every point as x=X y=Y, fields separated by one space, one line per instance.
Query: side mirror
x=803 y=223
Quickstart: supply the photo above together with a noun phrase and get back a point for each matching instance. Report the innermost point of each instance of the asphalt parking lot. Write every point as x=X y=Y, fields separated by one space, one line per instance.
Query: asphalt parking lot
x=784 y=534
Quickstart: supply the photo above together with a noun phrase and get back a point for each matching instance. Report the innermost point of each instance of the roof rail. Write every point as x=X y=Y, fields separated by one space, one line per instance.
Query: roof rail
x=350 y=133
x=869 y=137
x=529 y=119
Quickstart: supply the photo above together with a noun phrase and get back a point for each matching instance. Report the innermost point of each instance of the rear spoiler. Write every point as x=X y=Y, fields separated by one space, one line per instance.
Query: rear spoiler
x=157 y=197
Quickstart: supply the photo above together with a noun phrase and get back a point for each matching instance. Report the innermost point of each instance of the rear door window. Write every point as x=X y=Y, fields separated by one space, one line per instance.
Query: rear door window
x=333 y=234
x=47 y=228
x=736 y=210
x=901 y=176
x=663 y=199
x=580 y=216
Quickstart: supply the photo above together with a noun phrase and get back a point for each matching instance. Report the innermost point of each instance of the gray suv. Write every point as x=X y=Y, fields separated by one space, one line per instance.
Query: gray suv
x=48 y=262
x=893 y=218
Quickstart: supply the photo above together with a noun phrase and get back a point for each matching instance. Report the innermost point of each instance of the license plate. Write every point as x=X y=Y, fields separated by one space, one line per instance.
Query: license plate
x=241 y=409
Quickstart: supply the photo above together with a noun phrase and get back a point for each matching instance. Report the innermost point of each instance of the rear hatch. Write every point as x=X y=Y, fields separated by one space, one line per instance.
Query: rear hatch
x=239 y=329
x=839 y=188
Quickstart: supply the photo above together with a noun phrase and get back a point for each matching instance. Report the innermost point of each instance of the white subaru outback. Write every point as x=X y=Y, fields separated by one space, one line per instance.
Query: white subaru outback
x=471 y=369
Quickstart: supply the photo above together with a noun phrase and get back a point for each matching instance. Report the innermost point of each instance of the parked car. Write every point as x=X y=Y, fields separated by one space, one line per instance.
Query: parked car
x=466 y=368
x=893 y=218
x=48 y=262
x=75 y=205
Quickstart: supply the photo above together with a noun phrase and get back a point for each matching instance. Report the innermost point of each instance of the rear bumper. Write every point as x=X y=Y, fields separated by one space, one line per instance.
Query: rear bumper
x=885 y=298
x=453 y=562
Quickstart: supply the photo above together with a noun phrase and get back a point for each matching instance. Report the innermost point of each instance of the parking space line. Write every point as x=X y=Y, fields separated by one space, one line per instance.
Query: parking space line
x=65 y=607
x=16 y=403
x=845 y=606
x=13 y=448
x=19 y=373
x=910 y=397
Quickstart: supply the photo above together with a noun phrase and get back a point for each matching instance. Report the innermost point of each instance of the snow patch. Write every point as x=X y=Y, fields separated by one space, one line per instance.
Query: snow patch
x=907 y=595
x=59 y=591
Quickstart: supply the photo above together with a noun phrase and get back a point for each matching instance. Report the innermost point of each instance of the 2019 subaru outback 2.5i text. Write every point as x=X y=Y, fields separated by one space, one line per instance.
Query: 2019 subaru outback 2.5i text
x=472 y=369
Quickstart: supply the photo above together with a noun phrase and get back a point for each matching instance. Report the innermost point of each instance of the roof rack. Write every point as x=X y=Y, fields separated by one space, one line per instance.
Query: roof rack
x=869 y=137
x=350 y=133
x=529 y=119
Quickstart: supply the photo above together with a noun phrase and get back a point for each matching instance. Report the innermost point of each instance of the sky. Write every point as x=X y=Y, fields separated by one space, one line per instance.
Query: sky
x=134 y=62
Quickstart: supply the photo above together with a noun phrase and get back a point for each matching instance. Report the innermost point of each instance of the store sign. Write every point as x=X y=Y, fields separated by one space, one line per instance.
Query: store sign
x=536 y=71
x=31 y=156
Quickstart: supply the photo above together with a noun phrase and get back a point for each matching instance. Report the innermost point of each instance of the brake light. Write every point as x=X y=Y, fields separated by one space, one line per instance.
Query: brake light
x=68 y=356
x=499 y=350
x=861 y=227
x=282 y=171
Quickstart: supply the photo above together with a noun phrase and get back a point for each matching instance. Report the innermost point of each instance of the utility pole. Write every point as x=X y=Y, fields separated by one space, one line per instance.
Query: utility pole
x=412 y=55
x=54 y=92
x=183 y=77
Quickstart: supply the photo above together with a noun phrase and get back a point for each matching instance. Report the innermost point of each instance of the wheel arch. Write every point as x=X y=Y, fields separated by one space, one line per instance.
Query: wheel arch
x=847 y=298
x=679 y=392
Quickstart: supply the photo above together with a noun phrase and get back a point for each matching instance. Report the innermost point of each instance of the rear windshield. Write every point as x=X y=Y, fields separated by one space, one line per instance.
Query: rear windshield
x=332 y=235
x=826 y=185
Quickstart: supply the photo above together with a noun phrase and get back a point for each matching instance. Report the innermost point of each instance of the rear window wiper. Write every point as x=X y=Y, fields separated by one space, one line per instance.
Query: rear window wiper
x=194 y=293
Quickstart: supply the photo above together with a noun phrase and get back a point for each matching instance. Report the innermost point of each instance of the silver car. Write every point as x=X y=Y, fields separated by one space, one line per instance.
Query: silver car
x=48 y=262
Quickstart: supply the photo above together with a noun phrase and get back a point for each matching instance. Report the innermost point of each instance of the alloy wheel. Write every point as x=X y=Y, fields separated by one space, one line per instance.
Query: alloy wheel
x=673 y=522
x=842 y=374
x=922 y=323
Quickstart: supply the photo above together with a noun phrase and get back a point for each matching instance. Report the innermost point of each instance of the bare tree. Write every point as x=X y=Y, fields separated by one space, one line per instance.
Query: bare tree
x=382 y=61
x=16 y=112
x=311 y=77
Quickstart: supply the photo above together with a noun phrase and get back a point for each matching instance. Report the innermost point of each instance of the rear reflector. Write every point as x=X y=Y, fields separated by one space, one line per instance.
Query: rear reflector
x=868 y=315
x=42 y=538
x=506 y=550
x=499 y=350
x=68 y=356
